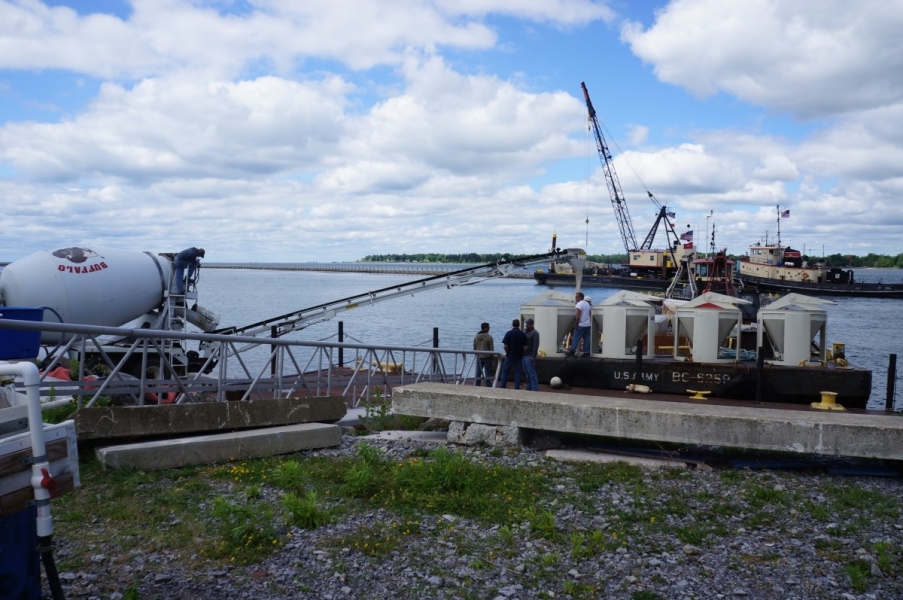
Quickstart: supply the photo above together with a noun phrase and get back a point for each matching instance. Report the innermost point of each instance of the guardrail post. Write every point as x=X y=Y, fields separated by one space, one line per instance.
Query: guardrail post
x=435 y=345
x=273 y=349
x=341 y=339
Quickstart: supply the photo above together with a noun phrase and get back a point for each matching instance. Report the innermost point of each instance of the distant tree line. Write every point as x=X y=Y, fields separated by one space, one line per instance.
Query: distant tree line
x=832 y=260
x=474 y=257
x=438 y=257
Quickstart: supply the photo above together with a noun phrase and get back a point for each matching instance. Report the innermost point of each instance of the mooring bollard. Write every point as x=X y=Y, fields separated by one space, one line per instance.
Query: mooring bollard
x=891 y=382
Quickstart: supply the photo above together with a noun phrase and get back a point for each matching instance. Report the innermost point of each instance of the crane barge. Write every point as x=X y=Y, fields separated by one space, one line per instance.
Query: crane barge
x=647 y=268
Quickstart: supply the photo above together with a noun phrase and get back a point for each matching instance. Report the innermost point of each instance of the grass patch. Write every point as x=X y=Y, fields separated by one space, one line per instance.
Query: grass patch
x=306 y=511
x=858 y=571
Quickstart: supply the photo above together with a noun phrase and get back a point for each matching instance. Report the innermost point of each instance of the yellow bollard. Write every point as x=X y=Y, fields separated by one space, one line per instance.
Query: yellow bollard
x=828 y=402
x=697 y=395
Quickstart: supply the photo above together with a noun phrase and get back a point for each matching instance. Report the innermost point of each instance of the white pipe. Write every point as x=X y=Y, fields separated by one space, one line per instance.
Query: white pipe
x=28 y=371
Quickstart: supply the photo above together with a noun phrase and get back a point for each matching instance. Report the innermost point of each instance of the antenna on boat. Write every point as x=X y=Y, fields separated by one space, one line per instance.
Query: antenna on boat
x=779 y=225
x=712 y=242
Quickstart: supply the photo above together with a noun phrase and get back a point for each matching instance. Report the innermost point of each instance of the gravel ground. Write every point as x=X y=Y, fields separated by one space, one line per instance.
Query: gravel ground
x=791 y=555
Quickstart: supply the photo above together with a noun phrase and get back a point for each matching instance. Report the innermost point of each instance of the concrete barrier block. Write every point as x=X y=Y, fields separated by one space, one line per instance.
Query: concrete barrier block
x=111 y=422
x=220 y=447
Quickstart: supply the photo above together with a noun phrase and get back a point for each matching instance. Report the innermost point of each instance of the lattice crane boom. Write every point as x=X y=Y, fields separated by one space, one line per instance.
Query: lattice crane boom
x=611 y=178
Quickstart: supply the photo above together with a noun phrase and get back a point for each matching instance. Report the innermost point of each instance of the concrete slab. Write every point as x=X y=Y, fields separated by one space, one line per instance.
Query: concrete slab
x=756 y=427
x=220 y=447
x=111 y=422
x=434 y=437
x=600 y=457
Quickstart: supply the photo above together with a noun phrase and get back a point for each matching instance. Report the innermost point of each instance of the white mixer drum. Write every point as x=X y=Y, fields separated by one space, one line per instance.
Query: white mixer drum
x=90 y=286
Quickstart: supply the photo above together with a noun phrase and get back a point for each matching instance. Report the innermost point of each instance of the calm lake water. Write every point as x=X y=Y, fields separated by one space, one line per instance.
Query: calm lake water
x=867 y=326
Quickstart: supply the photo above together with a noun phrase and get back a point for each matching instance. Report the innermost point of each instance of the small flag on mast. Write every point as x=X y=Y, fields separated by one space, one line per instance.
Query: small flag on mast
x=687 y=236
x=785 y=214
x=670 y=215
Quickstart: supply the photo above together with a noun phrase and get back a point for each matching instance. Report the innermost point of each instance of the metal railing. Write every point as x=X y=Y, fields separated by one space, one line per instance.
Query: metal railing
x=282 y=367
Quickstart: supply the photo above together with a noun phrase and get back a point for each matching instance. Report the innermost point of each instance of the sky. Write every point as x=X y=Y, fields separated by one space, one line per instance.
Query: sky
x=271 y=131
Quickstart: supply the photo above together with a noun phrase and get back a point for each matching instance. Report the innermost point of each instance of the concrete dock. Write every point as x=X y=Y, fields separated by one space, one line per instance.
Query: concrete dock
x=861 y=434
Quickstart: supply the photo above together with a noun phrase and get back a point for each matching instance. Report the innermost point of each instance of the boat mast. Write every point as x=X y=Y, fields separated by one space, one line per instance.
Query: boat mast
x=779 y=225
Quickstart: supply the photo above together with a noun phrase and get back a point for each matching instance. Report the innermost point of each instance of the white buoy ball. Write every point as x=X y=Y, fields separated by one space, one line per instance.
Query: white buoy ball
x=555 y=382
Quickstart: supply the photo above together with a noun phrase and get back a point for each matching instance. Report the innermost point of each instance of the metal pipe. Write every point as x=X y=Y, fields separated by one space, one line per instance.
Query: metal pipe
x=891 y=382
x=760 y=373
x=41 y=480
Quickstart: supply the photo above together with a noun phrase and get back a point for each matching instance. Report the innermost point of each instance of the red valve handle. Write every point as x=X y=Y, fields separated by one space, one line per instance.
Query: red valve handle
x=48 y=482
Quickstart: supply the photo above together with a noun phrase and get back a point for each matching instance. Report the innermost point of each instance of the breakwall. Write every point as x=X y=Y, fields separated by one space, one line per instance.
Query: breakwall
x=379 y=268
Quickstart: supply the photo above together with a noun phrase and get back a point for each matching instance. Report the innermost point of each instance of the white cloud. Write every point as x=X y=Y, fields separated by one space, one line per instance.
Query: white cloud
x=253 y=132
x=809 y=58
x=161 y=34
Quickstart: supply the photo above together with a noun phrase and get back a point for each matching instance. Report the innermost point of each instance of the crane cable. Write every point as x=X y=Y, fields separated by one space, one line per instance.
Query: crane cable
x=586 y=175
x=623 y=156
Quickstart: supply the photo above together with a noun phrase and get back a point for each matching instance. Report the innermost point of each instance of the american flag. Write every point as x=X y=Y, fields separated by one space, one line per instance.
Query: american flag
x=670 y=215
x=687 y=236
x=785 y=214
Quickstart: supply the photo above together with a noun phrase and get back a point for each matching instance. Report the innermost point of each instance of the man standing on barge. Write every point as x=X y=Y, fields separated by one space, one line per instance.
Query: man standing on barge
x=583 y=316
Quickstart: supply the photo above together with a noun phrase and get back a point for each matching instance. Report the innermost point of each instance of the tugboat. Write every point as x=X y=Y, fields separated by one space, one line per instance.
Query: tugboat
x=775 y=268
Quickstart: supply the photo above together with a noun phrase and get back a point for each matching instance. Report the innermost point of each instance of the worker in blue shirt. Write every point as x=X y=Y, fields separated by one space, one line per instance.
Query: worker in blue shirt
x=189 y=257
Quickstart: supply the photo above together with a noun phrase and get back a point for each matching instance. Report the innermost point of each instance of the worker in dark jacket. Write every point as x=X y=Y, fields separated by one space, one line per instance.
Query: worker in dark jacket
x=531 y=351
x=514 y=342
x=189 y=257
x=483 y=341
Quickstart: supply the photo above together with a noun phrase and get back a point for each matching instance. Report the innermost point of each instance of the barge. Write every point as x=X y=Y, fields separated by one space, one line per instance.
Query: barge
x=703 y=349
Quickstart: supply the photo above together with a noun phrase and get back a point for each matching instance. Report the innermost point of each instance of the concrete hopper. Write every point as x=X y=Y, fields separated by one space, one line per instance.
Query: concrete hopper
x=708 y=321
x=789 y=326
x=622 y=320
x=552 y=313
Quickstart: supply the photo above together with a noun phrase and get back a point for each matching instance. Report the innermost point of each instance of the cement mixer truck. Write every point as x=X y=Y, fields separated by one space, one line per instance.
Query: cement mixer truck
x=106 y=287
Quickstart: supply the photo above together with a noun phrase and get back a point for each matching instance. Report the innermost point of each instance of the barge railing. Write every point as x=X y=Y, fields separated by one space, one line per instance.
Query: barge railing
x=283 y=367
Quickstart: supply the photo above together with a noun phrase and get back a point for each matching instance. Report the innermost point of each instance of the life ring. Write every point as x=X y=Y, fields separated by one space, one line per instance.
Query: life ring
x=164 y=398
x=805 y=276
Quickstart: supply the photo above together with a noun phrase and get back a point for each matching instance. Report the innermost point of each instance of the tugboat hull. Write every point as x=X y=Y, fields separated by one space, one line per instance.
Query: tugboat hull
x=861 y=290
